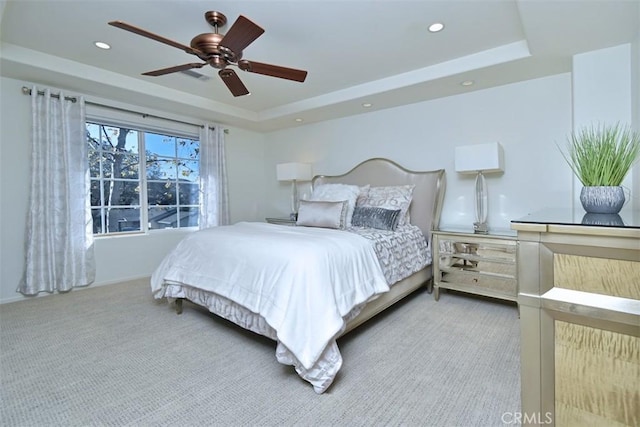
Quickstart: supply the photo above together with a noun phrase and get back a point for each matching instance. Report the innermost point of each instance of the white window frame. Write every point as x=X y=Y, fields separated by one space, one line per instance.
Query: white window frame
x=162 y=127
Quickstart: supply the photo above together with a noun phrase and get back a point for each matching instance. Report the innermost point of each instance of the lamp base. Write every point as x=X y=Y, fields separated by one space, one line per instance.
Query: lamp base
x=480 y=228
x=480 y=225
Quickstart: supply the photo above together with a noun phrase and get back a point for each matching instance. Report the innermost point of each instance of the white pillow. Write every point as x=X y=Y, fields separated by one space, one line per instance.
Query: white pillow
x=322 y=214
x=391 y=197
x=337 y=193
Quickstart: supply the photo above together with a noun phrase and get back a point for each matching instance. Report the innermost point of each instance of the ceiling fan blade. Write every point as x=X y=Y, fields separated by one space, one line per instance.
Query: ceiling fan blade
x=272 y=70
x=233 y=82
x=152 y=36
x=241 y=34
x=183 y=67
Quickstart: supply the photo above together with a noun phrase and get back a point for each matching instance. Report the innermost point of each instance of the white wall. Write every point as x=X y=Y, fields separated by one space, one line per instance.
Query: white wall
x=133 y=256
x=527 y=118
x=603 y=93
x=635 y=113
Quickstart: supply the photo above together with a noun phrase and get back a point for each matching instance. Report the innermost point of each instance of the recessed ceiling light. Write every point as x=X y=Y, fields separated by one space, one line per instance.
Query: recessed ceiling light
x=367 y=105
x=467 y=83
x=299 y=120
x=102 y=45
x=436 y=26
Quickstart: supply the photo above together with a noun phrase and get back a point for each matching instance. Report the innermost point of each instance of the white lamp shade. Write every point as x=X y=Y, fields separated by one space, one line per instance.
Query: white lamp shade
x=480 y=157
x=293 y=171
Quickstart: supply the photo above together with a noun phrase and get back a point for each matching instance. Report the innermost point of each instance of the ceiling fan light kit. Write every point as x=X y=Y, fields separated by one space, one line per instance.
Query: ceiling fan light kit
x=221 y=51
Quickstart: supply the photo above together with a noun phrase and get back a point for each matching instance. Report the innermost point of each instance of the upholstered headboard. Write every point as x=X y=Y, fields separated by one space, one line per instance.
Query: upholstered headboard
x=428 y=194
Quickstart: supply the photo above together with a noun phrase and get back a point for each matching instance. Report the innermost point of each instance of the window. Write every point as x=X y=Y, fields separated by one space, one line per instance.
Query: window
x=142 y=180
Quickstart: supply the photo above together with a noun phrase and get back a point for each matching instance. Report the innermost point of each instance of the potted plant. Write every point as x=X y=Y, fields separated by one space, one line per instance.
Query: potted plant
x=601 y=156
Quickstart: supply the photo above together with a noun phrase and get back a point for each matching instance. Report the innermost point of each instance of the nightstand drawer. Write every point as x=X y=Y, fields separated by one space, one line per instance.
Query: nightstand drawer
x=505 y=268
x=480 y=281
x=478 y=251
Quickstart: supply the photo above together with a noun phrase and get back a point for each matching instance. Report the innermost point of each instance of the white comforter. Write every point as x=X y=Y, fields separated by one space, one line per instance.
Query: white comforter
x=303 y=281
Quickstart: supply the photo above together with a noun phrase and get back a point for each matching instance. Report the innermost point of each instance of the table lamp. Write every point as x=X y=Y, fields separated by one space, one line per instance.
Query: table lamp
x=480 y=159
x=294 y=172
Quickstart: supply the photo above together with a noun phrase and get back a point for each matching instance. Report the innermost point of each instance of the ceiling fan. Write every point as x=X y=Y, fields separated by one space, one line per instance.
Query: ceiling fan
x=221 y=51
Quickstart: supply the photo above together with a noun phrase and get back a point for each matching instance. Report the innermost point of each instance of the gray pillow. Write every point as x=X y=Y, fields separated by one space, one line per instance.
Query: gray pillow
x=390 y=197
x=372 y=217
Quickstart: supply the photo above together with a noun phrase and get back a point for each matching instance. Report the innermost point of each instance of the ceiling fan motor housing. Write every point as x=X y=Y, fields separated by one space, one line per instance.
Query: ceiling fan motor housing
x=217 y=56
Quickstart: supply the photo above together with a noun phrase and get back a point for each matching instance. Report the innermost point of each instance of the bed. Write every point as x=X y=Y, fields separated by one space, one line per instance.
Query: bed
x=306 y=286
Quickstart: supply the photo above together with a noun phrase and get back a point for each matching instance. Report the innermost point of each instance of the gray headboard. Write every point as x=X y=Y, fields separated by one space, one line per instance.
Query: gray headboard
x=428 y=194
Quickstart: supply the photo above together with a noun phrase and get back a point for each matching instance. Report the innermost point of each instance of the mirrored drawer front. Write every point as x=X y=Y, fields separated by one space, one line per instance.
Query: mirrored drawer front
x=505 y=269
x=498 y=252
x=506 y=285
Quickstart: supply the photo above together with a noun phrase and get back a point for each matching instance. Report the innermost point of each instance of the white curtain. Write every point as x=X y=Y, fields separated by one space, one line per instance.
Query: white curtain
x=214 y=206
x=59 y=235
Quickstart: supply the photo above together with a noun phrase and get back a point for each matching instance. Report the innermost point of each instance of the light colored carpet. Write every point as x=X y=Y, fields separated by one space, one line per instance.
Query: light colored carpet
x=111 y=356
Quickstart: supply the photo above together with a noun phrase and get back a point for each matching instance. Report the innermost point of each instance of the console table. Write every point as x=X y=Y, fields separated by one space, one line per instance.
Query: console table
x=579 y=299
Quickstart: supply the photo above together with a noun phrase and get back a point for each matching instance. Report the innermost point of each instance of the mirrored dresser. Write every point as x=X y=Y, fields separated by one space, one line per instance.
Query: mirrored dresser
x=579 y=299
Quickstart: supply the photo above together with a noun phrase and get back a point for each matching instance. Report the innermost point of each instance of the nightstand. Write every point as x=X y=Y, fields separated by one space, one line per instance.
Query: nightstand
x=281 y=221
x=481 y=264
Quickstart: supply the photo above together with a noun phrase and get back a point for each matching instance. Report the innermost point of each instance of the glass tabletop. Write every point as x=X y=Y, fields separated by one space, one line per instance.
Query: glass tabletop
x=469 y=230
x=625 y=219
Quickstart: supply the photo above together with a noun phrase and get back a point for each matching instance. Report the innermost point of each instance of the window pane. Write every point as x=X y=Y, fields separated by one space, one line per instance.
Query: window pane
x=121 y=193
x=189 y=217
x=94 y=163
x=188 y=170
x=120 y=165
x=117 y=220
x=97 y=221
x=93 y=136
x=161 y=168
x=107 y=164
x=161 y=193
x=122 y=219
x=189 y=194
x=126 y=166
x=172 y=217
x=188 y=148
x=163 y=218
x=96 y=199
x=159 y=145
x=112 y=138
x=120 y=139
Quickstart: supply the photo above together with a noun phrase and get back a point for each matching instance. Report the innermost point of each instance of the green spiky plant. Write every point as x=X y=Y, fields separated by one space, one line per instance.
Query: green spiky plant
x=602 y=155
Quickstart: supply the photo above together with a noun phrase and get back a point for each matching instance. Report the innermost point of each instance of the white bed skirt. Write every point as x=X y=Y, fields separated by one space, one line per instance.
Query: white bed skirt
x=320 y=375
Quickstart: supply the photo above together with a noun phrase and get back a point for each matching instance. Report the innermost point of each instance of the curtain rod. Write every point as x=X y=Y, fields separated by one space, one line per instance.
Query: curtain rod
x=27 y=91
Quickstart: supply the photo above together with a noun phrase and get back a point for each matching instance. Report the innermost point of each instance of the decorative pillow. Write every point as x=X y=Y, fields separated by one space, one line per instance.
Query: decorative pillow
x=337 y=193
x=380 y=218
x=322 y=214
x=364 y=192
x=391 y=197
